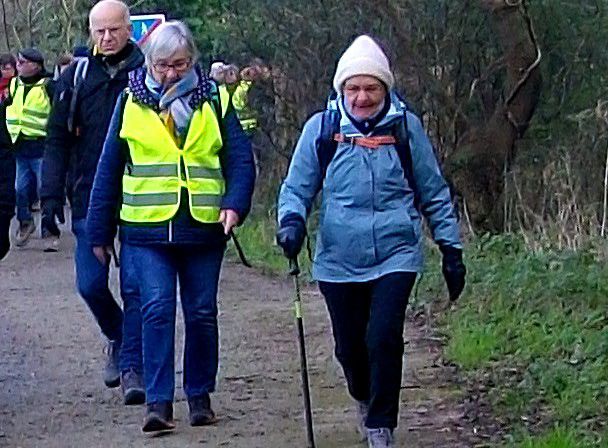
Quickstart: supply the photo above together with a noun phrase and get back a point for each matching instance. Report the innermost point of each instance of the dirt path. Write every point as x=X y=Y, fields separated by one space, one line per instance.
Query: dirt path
x=51 y=394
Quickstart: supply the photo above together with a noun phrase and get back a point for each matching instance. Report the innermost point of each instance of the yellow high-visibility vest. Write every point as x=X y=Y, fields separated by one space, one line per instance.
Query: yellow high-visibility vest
x=224 y=98
x=159 y=169
x=240 y=101
x=27 y=116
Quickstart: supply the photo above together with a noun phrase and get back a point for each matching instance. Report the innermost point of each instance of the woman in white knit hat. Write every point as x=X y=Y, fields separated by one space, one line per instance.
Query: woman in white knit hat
x=378 y=175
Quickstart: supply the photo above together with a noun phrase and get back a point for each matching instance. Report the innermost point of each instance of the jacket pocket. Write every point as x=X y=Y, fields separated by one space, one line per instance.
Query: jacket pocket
x=345 y=236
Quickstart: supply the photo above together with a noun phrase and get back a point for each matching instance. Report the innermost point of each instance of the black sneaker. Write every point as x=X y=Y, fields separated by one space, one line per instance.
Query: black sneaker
x=159 y=418
x=201 y=413
x=132 y=386
x=111 y=374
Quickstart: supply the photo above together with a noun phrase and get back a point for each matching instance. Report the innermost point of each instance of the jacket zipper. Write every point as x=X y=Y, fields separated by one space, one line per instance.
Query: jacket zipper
x=373 y=179
x=180 y=172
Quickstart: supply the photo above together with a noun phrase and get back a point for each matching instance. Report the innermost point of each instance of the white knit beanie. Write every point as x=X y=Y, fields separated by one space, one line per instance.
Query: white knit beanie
x=363 y=57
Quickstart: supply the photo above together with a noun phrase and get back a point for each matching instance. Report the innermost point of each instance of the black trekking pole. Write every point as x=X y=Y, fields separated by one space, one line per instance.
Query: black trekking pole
x=294 y=270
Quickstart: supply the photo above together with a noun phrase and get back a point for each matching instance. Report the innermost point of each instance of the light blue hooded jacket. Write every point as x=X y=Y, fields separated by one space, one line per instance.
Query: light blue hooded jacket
x=368 y=225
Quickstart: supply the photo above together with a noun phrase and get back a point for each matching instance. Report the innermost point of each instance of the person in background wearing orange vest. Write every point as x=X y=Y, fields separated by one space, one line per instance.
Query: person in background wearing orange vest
x=8 y=67
x=27 y=110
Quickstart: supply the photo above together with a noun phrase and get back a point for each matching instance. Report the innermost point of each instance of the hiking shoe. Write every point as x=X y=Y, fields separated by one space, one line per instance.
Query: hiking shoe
x=26 y=228
x=201 y=413
x=111 y=375
x=132 y=386
x=51 y=244
x=379 y=438
x=362 y=412
x=159 y=417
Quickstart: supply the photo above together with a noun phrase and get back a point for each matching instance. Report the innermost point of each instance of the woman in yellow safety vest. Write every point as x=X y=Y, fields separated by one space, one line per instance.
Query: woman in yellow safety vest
x=179 y=167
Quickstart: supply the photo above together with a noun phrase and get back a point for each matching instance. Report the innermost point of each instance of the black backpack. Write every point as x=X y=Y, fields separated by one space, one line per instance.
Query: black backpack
x=326 y=145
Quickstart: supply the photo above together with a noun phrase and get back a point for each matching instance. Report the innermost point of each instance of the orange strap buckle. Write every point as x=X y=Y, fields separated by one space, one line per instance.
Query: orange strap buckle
x=367 y=142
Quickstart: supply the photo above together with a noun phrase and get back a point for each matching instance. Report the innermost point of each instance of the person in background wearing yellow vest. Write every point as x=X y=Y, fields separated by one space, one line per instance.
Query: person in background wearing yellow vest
x=235 y=87
x=182 y=177
x=240 y=97
x=27 y=112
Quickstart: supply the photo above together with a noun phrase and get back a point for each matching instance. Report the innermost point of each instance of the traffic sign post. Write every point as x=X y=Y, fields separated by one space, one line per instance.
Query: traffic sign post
x=144 y=24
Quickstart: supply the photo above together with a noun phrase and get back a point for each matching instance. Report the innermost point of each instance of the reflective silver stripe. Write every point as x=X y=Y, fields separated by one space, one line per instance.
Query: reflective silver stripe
x=34 y=126
x=206 y=200
x=165 y=170
x=149 y=199
x=35 y=113
x=205 y=173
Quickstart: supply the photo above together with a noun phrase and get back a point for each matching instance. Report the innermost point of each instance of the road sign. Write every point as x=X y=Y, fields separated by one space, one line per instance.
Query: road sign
x=144 y=24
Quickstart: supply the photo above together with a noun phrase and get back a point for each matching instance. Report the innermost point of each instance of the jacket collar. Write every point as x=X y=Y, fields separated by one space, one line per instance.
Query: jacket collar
x=395 y=112
x=142 y=96
x=129 y=58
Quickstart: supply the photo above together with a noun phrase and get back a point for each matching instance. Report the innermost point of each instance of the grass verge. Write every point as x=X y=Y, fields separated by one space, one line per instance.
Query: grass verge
x=534 y=326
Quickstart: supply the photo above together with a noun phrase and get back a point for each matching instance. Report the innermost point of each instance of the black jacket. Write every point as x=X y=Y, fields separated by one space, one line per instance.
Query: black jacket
x=7 y=171
x=71 y=158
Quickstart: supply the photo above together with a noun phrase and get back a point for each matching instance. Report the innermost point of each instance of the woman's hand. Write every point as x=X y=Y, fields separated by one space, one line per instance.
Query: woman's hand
x=229 y=218
x=103 y=254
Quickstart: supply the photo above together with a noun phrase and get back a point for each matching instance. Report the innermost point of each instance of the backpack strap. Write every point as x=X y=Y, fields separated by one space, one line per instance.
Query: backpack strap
x=80 y=74
x=404 y=151
x=326 y=144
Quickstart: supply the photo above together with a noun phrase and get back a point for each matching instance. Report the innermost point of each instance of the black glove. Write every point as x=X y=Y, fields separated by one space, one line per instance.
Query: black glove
x=52 y=211
x=290 y=235
x=453 y=270
x=5 y=243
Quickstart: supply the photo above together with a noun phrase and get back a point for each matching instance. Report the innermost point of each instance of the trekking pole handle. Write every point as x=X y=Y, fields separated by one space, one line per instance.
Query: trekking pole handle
x=294 y=267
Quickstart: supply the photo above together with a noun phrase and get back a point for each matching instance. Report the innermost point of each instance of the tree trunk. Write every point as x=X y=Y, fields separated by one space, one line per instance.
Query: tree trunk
x=486 y=150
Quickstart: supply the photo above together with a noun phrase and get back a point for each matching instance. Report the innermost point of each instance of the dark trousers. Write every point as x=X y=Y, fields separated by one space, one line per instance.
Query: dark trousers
x=92 y=285
x=367 y=320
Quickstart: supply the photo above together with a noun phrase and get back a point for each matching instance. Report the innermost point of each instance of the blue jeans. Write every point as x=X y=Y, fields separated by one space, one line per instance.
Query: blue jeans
x=198 y=269
x=130 y=351
x=27 y=181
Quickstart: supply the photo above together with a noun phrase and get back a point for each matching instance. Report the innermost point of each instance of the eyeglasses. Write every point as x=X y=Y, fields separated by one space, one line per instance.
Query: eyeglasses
x=101 y=32
x=178 y=66
x=24 y=61
x=370 y=89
